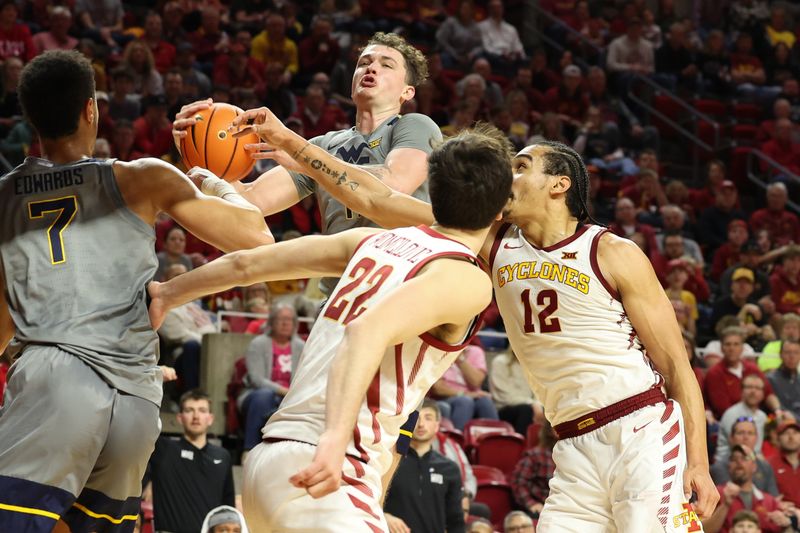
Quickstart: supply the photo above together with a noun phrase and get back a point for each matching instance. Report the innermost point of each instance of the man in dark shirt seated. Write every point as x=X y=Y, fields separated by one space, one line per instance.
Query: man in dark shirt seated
x=425 y=493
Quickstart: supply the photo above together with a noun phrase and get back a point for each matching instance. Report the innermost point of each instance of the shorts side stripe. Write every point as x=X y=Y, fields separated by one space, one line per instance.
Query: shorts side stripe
x=29 y=510
x=105 y=516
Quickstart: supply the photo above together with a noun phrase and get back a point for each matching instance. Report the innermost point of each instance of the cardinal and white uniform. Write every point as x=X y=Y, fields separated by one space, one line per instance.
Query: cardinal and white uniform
x=620 y=458
x=379 y=266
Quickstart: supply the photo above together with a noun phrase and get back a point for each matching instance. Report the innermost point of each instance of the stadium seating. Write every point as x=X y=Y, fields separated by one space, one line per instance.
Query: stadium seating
x=501 y=450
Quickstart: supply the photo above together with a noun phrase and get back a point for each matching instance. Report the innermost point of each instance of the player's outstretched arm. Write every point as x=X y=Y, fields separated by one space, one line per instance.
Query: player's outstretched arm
x=377 y=193
x=306 y=257
x=447 y=292
x=650 y=313
x=7 y=328
x=272 y=192
x=221 y=218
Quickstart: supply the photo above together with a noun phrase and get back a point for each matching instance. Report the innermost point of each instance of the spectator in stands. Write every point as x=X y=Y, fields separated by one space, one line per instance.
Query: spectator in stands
x=748 y=16
x=777 y=30
x=273 y=46
x=493 y=95
x=674 y=61
x=550 y=128
x=783 y=226
x=674 y=250
x=460 y=392
x=741 y=303
x=786 y=465
x=237 y=69
x=15 y=38
x=746 y=409
x=318 y=116
x=785 y=281
x=741 y=493
x=729 y=253
x=459 y=37
x=770 y=358
x=10 y=110
x=750 y=258
x=209 y=39
x=480 y=525
x=567 y=99
x=123 y=140
x=174 y=252
x=782 y=149
x=779 y=66
x=531 y=476
x=430 y=15
x=190 y=476
x=102 y=21
x=174 y=92
x=277 y=95
x=677 y=274
x=747 y=70
x=451 y=449
x=319 y=51
x=511 y=393
x=57 y=37
x=138 y=59
x=426 y=491
x=124 y=105
x=224 y=519
x=196 y=83
x=784 y=378
x=704 y=197
x=780 y=109
x=626 y=225
x=543 y=77
x=713 y=221
x=518 y=110
x=163 y=51
x=518 y=522
x=153 y=130
x=270 y=360
x=500 y=41
x=715 y=66
x=599 y=143
x=724 y=380
x=674 y=221
x=647 y=194
x=172 y=22
x=630 y=55
x=745 y=522
x=745 y=433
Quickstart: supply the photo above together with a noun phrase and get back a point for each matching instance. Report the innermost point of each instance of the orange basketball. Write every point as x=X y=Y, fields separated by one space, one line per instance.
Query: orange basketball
x=210 y=145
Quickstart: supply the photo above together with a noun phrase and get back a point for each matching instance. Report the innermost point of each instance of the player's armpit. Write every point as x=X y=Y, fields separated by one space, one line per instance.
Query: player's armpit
x=223 y=224
x=305 y=257
x=7 y=328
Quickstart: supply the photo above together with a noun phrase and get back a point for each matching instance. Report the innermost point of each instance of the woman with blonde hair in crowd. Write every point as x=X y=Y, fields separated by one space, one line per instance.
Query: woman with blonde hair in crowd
x=138 y=58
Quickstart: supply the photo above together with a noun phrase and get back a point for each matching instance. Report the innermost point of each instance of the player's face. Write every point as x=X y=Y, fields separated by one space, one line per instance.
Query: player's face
x=380 y=77
x=195 y=417
x=529 y=191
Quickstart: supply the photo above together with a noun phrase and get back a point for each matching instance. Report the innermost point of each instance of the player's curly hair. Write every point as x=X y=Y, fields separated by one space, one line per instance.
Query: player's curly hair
x=470 y=177
x=561 y=160
x=53 y=90
x=416 y=62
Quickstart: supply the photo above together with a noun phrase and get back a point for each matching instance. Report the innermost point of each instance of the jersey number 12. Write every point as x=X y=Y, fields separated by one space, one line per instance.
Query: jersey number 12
x=547 y=298
x=64 y=209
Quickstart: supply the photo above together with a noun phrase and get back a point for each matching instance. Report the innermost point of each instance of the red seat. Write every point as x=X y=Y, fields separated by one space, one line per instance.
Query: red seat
x=746 y=134
x=501 y=450
x=147 y=517
x=532 y=435
x=499 y=498
x=671 y=109
x=712 y=108
x=748 y=113
x=707 y=133
x=479 y=426
x=488 y=474
x=738 y=167
x=454 y=434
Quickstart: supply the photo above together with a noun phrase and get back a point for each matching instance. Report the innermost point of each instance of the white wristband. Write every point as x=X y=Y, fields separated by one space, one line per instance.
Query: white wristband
x=214 y=186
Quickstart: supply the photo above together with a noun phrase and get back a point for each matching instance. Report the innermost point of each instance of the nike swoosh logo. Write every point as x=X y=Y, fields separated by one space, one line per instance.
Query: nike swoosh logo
x=636 y=430
x=507 y=247
x=217 y=461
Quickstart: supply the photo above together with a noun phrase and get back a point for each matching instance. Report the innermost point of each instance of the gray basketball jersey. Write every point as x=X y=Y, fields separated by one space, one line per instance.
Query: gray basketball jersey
x=407 y=131
x=76 y=265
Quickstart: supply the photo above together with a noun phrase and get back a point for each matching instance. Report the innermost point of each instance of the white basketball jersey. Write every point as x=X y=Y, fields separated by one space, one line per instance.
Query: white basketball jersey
x=381 y=263
x=566 y=324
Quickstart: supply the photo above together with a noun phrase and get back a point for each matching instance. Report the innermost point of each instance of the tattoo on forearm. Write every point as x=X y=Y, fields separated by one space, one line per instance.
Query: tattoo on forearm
x=299 y=152
x=339 y=177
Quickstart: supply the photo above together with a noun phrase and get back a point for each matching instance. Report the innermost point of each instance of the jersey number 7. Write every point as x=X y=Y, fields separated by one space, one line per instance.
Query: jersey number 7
x=65 y=209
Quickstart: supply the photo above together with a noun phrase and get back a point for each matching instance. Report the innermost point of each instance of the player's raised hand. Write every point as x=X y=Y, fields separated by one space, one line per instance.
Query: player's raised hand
x=324 y=475
x=186 y=118
x=697 y=479
x=269 y=151
x=158 y=309
x=198 y=174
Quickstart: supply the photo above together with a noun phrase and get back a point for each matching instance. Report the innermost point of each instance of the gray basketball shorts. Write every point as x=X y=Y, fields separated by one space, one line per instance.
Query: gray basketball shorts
x=71 y=447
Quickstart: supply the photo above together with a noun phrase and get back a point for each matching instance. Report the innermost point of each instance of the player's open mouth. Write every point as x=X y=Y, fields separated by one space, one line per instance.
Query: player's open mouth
x=368 y=81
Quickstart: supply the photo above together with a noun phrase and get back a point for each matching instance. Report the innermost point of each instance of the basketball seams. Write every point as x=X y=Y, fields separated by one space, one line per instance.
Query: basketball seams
x=233 y=153
x=205 y=139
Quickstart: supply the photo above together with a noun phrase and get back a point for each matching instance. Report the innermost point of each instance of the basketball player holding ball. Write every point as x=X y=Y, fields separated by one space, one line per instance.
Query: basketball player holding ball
x=391 y=146
x=80 y=418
